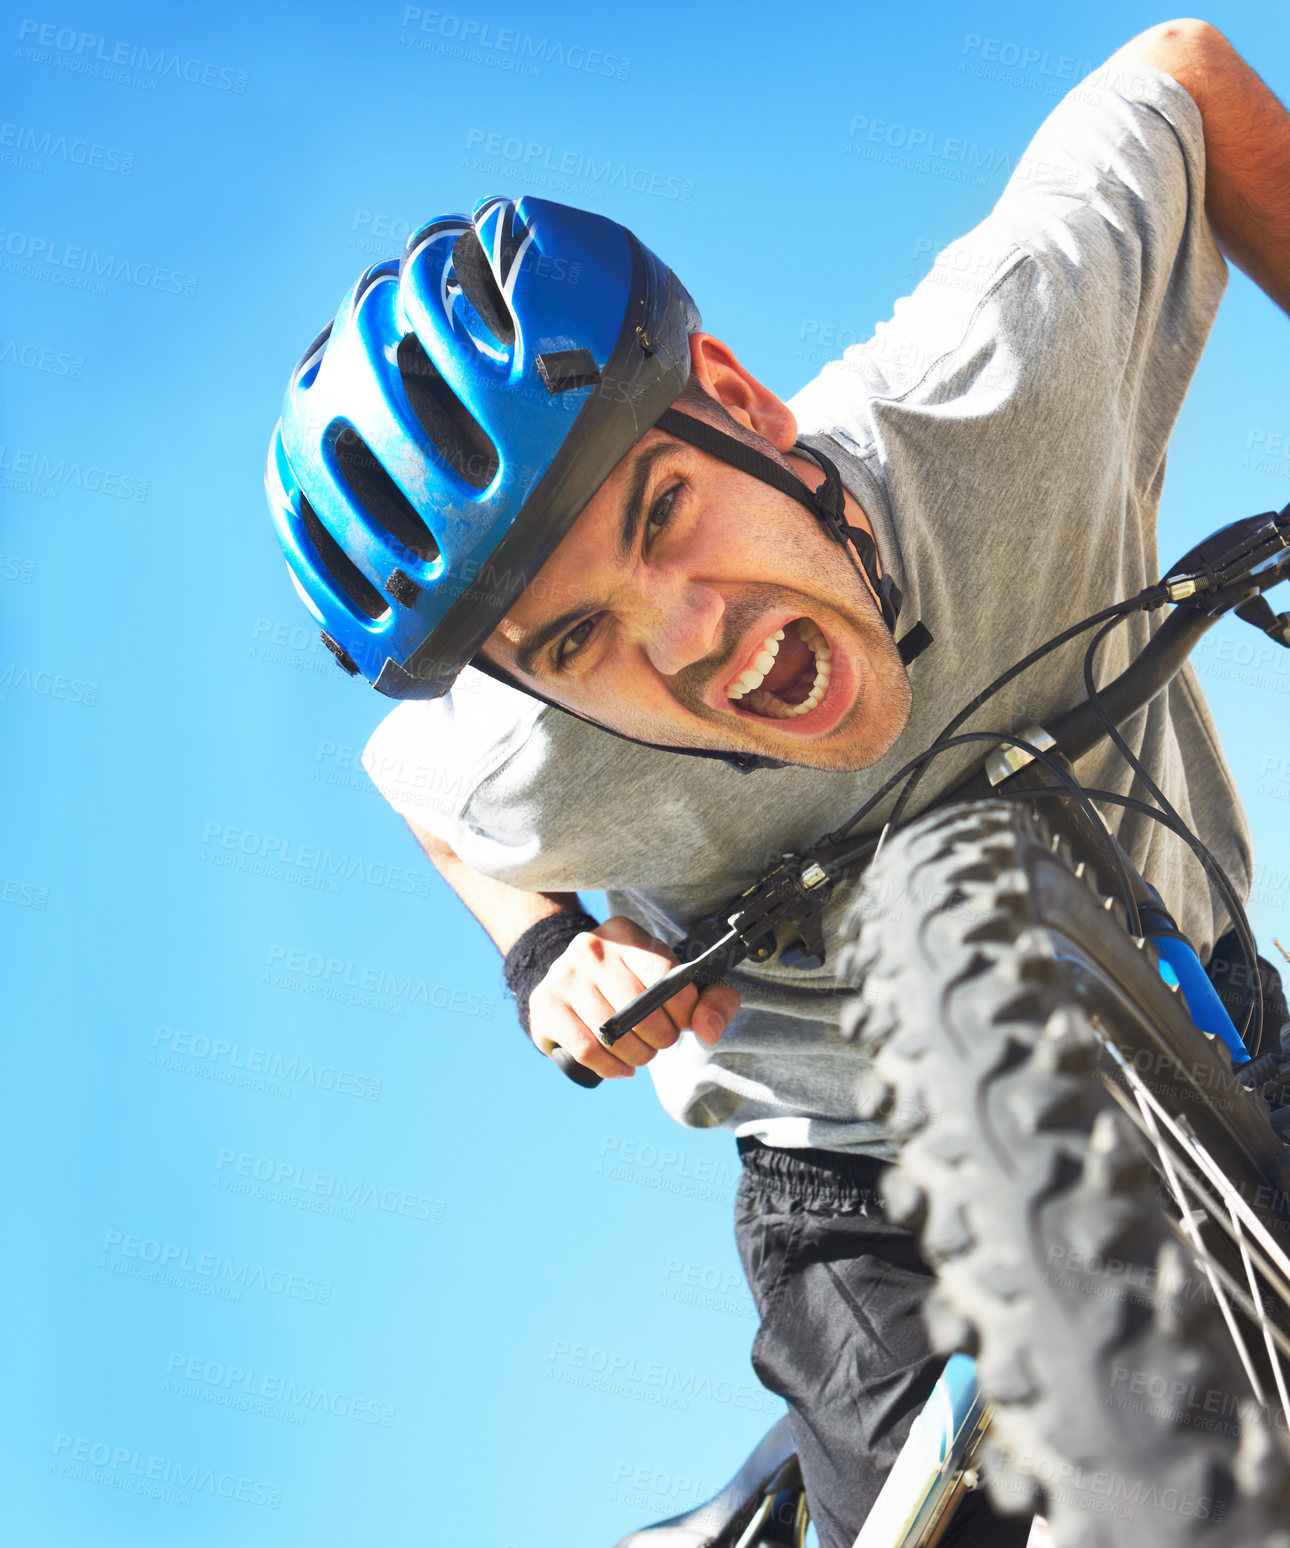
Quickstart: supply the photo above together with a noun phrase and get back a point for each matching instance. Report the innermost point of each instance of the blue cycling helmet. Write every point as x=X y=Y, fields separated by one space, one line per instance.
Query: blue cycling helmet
x=440 y=438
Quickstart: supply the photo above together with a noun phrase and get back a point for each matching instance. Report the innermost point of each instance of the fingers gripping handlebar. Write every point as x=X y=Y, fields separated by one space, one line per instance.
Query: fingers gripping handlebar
x=795 y=891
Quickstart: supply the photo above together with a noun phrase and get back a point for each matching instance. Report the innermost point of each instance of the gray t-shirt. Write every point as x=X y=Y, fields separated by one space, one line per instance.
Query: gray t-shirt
x=1005 y=433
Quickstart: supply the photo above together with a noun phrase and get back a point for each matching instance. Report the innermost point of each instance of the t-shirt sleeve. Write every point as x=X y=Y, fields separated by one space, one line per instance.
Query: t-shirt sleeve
x=428 y=758
x=403 y=759
x=1109 y=201
x=1098 y=248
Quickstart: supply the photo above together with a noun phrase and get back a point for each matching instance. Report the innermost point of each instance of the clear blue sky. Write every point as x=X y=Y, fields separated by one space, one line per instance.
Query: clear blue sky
x=227 y=968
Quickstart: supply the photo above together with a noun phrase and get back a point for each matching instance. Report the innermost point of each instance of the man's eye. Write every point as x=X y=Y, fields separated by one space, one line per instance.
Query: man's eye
x=659 y=513
x=576 y=638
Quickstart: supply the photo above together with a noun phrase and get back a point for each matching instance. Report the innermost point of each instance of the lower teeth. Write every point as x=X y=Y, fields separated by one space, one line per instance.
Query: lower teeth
x=764 y=702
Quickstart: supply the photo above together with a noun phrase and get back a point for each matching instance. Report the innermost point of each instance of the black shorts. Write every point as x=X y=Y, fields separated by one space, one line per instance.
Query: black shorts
x=840 y=1290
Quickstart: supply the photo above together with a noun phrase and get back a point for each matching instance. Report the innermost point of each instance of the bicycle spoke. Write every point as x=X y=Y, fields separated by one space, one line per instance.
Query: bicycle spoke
x=1228 y=1212
x=1186 y=1140
x=1278 y=1373
x=1188 y=1221
x=1203 y=1257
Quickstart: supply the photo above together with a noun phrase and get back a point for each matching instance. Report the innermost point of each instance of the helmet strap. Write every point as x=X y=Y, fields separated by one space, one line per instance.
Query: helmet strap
x=827 y=504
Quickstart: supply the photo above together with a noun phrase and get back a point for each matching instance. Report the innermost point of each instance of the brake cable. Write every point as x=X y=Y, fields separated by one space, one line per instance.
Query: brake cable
x=1214 y=871
x=805 y=882
x=1175 y=824
x=1152 y=597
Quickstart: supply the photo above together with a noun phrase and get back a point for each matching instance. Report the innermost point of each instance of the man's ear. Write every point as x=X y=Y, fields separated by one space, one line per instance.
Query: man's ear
x=714 y=366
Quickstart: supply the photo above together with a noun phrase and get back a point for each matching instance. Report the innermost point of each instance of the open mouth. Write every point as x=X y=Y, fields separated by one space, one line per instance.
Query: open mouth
x=789 y=674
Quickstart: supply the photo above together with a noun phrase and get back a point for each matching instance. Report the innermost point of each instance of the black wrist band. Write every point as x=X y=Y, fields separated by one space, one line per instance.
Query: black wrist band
x=528 y=961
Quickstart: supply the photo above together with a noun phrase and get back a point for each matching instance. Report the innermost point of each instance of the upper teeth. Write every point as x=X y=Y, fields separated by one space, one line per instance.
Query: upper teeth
x=751 y=677
x=749 y=681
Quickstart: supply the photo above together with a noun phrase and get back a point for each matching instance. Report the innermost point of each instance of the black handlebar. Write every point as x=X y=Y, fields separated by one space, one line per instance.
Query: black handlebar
x=579 y=1074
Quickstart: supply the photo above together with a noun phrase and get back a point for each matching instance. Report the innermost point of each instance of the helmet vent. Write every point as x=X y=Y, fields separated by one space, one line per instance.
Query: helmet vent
x=344 y=573
x=382 y=498
x=452 y=429
x=475 y=276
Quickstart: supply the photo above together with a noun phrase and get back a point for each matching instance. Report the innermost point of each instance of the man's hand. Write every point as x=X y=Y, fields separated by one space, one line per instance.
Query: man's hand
x=600 y=972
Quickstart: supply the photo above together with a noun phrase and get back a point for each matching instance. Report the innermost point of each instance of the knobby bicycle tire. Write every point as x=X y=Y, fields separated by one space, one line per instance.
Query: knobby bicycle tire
x=985 y=962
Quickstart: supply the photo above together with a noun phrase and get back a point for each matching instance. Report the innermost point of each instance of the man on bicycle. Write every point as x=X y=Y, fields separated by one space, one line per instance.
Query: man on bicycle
x=518 y=465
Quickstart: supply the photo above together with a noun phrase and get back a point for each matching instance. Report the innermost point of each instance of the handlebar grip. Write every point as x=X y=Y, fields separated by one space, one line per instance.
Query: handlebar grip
x=579 y=1074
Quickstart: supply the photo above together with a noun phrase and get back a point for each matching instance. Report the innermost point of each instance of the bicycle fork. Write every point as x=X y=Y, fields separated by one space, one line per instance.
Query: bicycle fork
x=935 y=1465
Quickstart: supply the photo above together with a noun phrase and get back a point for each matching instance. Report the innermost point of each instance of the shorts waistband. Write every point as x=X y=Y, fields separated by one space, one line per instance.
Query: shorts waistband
x=836 y=1177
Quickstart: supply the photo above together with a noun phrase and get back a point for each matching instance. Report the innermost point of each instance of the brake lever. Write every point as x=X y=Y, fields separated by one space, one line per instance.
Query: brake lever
x=707 y=968
x=799 y=885
x=711 y=964
x=1232 y=553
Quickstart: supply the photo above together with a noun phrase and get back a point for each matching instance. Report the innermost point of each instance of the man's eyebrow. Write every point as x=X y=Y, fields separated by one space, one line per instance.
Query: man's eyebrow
x=633 y=511
x=634 y=504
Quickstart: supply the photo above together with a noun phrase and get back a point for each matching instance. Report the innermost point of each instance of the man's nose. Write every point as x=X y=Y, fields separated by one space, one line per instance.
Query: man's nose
x=681 y=624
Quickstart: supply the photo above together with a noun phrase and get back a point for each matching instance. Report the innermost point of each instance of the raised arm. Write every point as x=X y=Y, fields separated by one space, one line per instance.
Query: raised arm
x=598 y=972
x=1247 y=145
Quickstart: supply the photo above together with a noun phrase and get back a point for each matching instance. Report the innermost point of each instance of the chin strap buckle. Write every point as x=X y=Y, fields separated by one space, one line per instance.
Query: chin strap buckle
x=827 y=504
x=830 y=508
